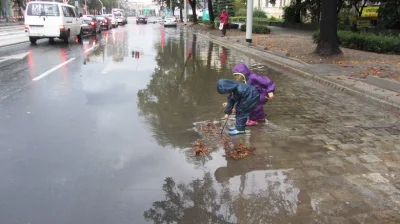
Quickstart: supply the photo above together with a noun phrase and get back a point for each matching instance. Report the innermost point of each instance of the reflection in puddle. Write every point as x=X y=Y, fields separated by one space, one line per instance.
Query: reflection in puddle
x=261 y=197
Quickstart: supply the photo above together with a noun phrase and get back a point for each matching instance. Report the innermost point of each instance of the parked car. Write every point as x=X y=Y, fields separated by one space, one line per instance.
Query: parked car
x=51 y=20
x=120 y=18
x=92 y=22
x=170 y=21
x=89 y=25
x=141 y=19
x=111 y=17
x=104 y=22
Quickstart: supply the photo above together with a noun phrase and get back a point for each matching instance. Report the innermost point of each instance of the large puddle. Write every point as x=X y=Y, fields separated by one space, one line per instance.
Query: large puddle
x=297 y=146
x=129 y=155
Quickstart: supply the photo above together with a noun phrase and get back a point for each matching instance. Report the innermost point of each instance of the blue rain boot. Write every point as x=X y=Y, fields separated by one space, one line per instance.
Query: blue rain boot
x=236 y=132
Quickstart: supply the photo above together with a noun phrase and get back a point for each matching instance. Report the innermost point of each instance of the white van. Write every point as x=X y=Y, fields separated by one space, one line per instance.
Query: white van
x=48 y=19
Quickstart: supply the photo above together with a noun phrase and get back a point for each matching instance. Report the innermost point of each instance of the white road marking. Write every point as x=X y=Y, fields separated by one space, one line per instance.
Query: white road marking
x=52 y=70
x=87 y=50
x=15 y=56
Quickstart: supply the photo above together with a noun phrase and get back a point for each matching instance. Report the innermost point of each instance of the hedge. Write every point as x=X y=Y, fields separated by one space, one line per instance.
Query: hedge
x=367 y=42
x=260 y=29
x=230 y=25
x=255 y=19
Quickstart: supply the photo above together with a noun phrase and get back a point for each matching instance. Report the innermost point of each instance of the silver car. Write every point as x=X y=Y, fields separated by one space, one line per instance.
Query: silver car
x=170 y=21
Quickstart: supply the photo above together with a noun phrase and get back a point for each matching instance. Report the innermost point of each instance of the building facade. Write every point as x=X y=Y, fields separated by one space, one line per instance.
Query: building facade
x=275 y=10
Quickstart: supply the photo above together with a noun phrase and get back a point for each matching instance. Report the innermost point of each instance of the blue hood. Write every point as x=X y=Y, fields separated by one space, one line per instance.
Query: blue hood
x=226 y=86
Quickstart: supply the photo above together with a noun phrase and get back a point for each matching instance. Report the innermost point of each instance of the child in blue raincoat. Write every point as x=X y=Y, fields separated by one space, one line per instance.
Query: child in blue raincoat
x=243 y=98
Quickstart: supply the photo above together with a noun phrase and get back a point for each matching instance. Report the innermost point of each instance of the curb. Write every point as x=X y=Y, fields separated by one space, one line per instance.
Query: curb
x=391 y=106
x=13 y=44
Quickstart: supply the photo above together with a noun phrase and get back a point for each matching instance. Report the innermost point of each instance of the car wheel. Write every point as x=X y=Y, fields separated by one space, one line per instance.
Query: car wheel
x=51 y=40
x=66 y=38
x=33 y=40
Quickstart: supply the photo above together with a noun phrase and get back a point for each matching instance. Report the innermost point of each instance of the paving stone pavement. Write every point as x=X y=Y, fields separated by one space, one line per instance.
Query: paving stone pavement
x=341 y=152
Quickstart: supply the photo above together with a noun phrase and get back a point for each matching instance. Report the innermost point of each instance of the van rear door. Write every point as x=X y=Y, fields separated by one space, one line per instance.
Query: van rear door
x=43 y=19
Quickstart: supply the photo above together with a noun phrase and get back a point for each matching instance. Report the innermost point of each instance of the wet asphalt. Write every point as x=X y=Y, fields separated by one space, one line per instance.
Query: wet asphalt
x=106 y=138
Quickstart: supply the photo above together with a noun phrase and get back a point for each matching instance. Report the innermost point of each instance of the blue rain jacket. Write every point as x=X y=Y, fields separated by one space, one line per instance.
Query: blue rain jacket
x=244 y=96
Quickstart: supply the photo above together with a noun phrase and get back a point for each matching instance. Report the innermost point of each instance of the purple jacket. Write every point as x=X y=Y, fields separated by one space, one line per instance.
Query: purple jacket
x=262 y=83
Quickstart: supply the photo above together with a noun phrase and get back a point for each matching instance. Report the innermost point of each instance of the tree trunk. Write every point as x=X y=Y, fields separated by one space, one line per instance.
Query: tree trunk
x=211 y=11
x=329 y=42
x=193 y=6
x=297 y=19
x=362 y=8
x=180 y=14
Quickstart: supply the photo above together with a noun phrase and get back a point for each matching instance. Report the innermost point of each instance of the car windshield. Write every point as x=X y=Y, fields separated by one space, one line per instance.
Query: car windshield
x=100 y=18
x=169 y=17
x=117 y=14
x=40 y=9
x=87 y=21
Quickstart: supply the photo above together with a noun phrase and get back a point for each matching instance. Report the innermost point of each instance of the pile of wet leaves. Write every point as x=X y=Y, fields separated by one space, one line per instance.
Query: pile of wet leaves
x=209 y=130
x=200 y=148
x=211 y=133
x=238 y=152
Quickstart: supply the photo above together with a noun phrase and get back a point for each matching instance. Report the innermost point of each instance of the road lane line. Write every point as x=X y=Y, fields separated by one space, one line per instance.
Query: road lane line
x=52 y=70
x=87 y=50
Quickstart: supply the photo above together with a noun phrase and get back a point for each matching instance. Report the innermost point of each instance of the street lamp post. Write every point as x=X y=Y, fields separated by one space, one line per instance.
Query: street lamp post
x=249 y=20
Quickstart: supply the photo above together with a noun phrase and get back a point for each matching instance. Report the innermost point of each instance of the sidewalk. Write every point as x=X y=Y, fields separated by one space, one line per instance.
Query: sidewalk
x=12 y=35
x=373 y=76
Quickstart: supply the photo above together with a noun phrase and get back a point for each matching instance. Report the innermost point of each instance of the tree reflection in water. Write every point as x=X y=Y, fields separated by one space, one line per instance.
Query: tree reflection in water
x=196 y=202
x=177 y=96
x=262 y=197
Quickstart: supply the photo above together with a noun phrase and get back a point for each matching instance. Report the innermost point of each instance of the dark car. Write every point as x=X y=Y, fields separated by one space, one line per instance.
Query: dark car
x=141 y=19
x=89 y=25
x=105 y=23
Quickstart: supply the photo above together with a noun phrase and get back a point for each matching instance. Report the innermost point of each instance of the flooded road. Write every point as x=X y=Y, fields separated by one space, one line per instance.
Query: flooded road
x=108 y=137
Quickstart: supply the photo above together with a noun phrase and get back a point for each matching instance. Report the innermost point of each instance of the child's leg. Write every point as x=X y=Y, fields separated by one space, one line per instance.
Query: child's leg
x=241 y=119
x=258 y=113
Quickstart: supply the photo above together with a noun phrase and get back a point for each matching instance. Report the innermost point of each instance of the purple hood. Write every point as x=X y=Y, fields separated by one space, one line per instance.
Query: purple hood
x=242 y=68
x=262 y=83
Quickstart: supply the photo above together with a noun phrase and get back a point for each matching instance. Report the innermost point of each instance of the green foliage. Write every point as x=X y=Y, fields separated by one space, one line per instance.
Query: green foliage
x=366 y=42
x=243 y=19
x=238 y=19
x=259 y=29
x=241 y=12
x=389 y=14
x=273 y=19
x=289 y=13
x=259 y=13
x=219 y=5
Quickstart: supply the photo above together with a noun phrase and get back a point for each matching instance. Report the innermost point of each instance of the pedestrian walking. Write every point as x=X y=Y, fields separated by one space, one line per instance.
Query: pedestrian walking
x=224 y=21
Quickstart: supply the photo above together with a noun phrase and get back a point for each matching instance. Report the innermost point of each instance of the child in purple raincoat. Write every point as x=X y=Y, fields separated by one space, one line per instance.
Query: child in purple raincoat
x=264 y=85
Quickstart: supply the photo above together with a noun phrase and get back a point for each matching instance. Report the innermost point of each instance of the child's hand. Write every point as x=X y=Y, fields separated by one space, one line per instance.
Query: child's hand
x=226 y=116
x=224 y=104
x=234 y=110
x=271 y=96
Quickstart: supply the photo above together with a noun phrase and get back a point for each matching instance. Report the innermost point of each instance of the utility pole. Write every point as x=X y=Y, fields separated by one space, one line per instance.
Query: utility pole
x=249 y=20
x=186 y=11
